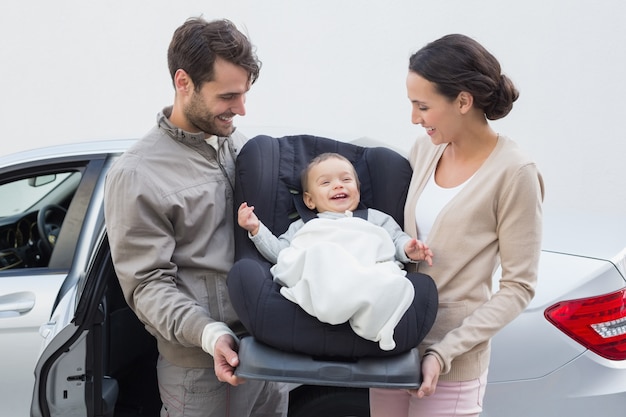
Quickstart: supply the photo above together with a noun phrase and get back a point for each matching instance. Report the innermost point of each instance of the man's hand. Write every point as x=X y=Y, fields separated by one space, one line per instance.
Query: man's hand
x=225 y=359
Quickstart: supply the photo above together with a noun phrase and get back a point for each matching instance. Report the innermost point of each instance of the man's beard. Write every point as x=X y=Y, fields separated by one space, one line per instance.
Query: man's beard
x=203 y=120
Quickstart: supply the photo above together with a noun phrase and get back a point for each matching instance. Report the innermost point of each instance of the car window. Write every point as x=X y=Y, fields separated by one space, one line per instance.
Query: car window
x=19 y=196
x=32 y=211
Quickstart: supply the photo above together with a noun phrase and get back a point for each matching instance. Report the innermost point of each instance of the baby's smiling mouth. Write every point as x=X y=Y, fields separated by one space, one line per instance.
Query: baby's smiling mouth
x=338 y=196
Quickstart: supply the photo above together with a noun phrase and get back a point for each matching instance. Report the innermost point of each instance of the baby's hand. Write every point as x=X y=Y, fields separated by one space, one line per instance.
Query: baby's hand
x=419 y=251
x=247 y=219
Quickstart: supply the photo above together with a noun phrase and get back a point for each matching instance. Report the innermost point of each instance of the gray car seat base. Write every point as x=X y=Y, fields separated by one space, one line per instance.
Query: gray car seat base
x=259 y=361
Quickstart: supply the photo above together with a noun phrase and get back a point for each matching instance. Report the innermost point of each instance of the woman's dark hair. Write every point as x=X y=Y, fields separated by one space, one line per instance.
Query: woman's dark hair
x=456 y=63
x=197 y=43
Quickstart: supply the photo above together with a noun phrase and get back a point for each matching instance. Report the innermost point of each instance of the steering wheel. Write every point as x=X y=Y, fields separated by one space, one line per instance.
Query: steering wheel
x=49 y=221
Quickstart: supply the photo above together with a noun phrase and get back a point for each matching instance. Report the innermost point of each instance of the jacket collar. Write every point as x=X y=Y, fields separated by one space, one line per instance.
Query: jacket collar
x=176 y=133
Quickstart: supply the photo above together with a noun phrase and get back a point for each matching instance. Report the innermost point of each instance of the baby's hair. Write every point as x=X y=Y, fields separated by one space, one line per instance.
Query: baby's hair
x=304 y=178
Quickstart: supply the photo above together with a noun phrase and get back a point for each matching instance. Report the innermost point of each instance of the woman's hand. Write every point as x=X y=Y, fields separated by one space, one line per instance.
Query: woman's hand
x=430 y=376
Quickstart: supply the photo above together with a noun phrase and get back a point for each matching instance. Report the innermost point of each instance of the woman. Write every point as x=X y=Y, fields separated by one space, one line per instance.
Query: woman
x=475 y=199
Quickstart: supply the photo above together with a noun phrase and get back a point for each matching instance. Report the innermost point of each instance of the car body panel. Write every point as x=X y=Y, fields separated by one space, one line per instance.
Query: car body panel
x=537 y=370
x=59 y=389
x=19 y=333
x=587 y=386
x=578 y=277
x=50 y=153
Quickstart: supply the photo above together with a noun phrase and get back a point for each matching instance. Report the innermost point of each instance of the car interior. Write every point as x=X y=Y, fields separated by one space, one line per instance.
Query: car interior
x=130 y=356
x=31 y=217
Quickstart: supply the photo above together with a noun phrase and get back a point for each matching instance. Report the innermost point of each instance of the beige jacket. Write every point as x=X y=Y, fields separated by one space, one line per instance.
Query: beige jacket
x=496 y=218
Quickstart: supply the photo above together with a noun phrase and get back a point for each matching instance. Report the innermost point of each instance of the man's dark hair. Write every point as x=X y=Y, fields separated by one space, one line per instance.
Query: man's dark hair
x=197 y=43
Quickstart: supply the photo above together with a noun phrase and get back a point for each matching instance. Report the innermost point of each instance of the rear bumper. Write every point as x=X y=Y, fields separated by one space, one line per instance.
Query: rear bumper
x=588 y=385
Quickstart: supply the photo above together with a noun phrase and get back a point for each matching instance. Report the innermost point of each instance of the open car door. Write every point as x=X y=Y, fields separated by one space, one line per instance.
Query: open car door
x=69 y=370
x=98 y=360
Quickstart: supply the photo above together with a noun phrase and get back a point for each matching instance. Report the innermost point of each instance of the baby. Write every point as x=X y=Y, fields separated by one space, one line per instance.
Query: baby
x=345 y=264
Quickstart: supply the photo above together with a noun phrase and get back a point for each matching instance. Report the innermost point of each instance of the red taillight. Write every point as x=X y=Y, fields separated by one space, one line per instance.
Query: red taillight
x=598 y=323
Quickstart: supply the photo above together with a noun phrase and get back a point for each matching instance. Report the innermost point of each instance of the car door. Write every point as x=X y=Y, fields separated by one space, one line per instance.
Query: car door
x=69 y=375
x=35 y=262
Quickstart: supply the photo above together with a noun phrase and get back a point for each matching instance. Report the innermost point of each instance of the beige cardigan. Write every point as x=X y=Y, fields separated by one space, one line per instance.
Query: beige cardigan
x=496 y=218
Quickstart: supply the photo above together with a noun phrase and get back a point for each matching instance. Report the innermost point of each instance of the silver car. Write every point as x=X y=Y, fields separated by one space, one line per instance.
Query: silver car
x=565 y=355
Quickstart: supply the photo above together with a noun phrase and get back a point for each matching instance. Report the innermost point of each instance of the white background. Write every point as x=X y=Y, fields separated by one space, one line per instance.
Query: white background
x=85 y=70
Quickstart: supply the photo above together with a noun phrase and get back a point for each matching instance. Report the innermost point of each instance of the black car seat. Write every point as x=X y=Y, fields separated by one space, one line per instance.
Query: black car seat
x=268 y=177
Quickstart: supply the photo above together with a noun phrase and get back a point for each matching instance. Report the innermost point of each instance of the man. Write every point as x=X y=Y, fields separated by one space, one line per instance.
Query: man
x=169 y=214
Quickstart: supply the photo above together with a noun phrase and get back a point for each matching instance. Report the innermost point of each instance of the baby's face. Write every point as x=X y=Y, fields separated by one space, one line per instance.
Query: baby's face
x=332 y=187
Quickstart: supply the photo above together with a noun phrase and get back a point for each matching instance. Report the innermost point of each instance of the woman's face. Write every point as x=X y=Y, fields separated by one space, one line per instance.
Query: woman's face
x=433 y=111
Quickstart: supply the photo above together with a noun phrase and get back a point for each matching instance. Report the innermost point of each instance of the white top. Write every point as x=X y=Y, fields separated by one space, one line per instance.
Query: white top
x=430 y=203
x=212 y=140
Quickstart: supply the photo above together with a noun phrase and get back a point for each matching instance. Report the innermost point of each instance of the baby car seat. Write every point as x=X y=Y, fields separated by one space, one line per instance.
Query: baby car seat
x=268 y=177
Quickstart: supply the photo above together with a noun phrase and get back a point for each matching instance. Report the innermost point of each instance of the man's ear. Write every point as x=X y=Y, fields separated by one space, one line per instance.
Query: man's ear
x=308 y=201
x=465 y=101
x=182 y=82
